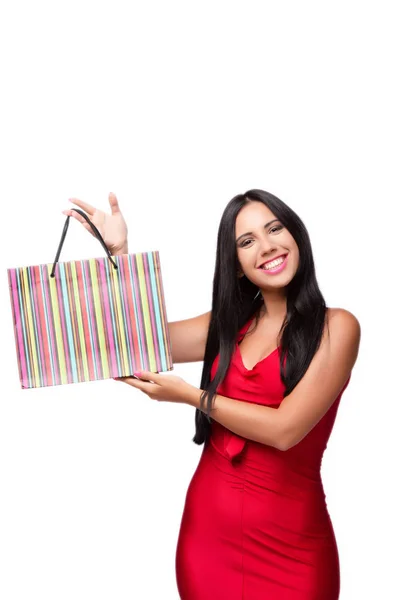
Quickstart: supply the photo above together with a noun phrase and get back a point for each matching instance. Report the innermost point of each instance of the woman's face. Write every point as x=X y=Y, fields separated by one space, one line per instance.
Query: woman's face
x=260 y=237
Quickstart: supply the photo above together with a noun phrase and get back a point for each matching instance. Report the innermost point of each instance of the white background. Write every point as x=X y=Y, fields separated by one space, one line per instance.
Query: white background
x=177 y=107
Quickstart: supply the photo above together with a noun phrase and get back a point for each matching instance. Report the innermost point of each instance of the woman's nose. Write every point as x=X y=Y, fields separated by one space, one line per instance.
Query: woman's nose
x=267 y=246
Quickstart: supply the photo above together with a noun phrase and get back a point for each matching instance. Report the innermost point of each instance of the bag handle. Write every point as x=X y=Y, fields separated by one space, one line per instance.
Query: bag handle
x=96 y=232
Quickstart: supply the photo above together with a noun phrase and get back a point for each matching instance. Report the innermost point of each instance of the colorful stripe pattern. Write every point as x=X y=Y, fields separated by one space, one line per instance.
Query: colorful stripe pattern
x=91 y=321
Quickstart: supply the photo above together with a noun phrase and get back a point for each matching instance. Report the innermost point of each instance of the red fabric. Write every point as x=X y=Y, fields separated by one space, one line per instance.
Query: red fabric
x=255 y=524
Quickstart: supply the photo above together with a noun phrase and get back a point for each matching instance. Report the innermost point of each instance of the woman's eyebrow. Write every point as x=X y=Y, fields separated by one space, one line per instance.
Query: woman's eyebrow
x=250 y=232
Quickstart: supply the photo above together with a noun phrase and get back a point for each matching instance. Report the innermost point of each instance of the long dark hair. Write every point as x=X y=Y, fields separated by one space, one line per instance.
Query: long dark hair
x=235 y=300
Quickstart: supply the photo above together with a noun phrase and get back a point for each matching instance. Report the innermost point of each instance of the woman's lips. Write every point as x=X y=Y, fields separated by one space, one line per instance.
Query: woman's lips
x=276 y=270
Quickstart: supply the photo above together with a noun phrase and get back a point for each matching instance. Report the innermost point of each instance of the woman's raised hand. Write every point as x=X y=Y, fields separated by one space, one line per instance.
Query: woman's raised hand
x=112 y=227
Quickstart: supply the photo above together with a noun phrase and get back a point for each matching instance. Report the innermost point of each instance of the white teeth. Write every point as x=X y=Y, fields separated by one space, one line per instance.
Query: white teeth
x=273 y=264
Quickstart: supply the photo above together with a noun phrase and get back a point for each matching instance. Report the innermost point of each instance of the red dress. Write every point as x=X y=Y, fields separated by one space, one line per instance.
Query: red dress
x=255 y=524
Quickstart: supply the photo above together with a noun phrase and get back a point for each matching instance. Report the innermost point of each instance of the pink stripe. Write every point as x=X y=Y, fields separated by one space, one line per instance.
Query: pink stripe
x=92 y=319
x=63 y=328
x=151 y=309
x=124 y=276
x=18 y=326
x=50 y=317
x=161 y=301
x=85 y=319
x=142 y=332
x=108 y=318
x=155 y=293
x=74 y=322
x=135 y=323
x=39 y=338
x=43 y=330
x=131 y=312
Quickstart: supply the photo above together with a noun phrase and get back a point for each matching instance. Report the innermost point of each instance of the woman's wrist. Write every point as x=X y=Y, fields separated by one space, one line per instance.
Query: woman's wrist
x=123 y=250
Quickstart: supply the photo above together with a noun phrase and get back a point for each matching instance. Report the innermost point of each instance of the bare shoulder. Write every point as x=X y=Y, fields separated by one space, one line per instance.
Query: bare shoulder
x=344 y=325
x=342 y=317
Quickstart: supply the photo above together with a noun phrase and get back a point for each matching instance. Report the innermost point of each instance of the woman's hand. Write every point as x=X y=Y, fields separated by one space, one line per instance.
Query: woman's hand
x=168 y=388
x=112 y=227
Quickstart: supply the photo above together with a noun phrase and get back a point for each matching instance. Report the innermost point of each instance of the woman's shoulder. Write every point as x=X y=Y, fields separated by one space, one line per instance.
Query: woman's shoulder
x=334 y=312
x=342 y=318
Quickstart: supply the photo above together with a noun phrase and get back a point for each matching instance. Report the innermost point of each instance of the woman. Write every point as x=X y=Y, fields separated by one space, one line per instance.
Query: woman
x=276 y=362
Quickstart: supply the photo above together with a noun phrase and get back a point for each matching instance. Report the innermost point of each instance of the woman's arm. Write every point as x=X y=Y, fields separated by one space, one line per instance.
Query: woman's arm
x=312 y=397
x=252 y=421
x=189 y=338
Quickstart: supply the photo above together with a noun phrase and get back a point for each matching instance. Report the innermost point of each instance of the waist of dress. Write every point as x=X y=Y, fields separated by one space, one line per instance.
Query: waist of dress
x=269 y=460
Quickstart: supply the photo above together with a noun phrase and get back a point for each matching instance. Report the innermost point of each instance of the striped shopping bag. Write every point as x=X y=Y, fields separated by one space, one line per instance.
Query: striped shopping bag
x=92 y=319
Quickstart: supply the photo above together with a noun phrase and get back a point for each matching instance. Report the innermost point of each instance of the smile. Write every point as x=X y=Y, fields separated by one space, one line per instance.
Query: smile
x=275 y=266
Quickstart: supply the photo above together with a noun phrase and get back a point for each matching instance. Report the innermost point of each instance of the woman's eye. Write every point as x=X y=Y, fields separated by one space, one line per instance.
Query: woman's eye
x=273 y=229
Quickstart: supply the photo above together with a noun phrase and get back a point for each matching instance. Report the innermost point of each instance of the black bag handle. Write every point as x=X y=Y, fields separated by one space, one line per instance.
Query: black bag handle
x=96 y=232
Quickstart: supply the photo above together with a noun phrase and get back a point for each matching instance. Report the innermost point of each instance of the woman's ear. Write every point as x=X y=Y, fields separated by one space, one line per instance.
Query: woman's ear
x=239 y=270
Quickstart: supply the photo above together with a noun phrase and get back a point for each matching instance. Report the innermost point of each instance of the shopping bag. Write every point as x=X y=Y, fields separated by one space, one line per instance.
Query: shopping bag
x=87 y=320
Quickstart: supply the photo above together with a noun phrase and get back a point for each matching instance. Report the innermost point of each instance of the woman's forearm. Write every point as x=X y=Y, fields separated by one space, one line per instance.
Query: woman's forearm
x=252 y=421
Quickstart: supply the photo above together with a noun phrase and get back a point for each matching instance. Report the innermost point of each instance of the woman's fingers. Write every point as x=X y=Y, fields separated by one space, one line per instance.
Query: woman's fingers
x=86 y=207
x=112 y=198
x=78 y=217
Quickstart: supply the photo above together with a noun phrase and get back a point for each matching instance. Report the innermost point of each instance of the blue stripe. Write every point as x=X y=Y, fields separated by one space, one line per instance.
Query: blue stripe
x=43 y=278
x=113 y=319
x=122 y=286
x=67 y=313
x=136 y=302
x=90 y=316
x=157 y=307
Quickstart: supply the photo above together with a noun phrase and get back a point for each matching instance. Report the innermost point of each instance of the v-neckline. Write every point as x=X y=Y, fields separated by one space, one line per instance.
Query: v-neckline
x=243 y=333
